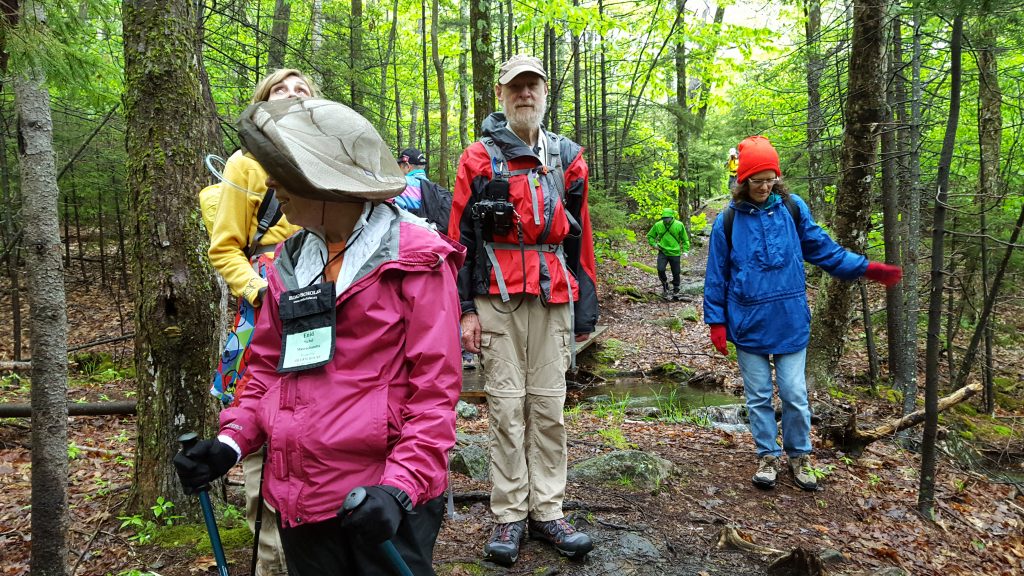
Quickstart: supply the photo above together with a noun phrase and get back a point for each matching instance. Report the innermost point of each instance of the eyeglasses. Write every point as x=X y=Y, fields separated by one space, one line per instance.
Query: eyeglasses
x=755 y=182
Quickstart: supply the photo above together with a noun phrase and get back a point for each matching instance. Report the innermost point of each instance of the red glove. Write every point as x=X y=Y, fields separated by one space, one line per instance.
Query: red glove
x=884 y=273
x=718 y=338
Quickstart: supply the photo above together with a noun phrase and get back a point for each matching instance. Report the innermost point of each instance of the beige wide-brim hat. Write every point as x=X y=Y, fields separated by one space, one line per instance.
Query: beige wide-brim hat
x=321 y=150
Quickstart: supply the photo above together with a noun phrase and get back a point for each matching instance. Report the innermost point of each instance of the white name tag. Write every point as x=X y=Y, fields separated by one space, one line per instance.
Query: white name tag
x=308 y=348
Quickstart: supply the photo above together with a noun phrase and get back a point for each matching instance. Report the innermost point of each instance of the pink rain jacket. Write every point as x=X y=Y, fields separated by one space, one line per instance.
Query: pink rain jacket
x=382 y=411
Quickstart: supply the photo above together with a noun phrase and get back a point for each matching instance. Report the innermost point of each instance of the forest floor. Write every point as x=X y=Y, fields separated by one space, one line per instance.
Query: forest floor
x=864 y=513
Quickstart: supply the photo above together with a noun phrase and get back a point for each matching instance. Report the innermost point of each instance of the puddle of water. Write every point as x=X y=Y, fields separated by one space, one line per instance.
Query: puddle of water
x=643 y=392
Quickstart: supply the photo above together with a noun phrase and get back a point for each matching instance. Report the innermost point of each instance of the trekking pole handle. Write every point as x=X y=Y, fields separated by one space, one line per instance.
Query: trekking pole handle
x=355 y=499
x=187 y=441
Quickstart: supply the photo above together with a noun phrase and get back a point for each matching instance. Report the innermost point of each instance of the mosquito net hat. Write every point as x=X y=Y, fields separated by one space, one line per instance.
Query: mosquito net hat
x=321 y=150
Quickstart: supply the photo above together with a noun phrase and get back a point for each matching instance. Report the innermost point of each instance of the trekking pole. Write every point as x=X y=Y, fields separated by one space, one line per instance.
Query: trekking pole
x=188 y=441
x=354 y=500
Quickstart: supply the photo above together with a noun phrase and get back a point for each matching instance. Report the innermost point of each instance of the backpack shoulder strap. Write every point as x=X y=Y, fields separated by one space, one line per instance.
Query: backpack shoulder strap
x=794 y=211
x=730 y=215
x=499 y=165
x=268 y=214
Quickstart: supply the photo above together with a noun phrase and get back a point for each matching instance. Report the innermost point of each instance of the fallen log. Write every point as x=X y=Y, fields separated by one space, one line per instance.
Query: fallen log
x=849 y=438
x=74 y=409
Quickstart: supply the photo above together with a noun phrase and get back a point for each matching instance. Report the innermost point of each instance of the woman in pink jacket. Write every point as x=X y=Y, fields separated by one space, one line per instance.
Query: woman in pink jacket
x=357 y=361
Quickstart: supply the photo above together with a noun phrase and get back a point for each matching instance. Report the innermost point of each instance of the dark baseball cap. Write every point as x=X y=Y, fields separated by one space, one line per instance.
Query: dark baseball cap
x=412 y=156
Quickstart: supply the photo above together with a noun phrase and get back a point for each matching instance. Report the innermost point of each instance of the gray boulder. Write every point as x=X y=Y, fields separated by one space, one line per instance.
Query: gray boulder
x=630 y=468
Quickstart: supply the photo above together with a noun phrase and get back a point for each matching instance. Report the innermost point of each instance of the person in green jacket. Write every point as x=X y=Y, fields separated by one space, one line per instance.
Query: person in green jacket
x=668 y=236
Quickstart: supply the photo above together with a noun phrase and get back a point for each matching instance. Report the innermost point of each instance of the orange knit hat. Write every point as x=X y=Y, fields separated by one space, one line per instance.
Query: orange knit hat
x=757 y=154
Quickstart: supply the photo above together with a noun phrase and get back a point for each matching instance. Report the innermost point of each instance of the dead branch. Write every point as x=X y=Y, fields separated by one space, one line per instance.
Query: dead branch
x=729 y=537
x=851 y=439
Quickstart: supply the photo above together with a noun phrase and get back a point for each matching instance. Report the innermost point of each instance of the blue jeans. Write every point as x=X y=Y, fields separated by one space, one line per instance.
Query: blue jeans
x=796 y=413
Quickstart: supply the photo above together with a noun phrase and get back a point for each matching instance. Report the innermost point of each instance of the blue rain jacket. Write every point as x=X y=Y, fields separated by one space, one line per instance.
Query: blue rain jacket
x=758 y=290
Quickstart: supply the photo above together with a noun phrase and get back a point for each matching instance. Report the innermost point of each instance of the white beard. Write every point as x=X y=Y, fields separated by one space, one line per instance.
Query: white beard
x=526 y=118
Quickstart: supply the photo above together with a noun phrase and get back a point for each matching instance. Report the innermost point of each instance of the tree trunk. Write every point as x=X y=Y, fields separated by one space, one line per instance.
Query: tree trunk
x=990 y=123
x=926 y=492
x=442 y=101
x=912 y=185
x=464 y=80
x=891 y=217
x=903 y=338
x=386 y=63
x=603 y=126
x=577 y=100
x=48 y=319
x=815 y=119
x=278 y=35
x=169 y=126
x=682 y=117
x=355 y=40
x=554 y=78
x=12 y=231
x=397 y=85
x=426 y=84
x=853 y=198
x=482 y=51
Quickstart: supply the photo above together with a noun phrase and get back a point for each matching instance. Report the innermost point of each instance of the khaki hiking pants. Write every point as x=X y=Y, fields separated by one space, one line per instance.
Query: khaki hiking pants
x=271 y=554
x=524 y=355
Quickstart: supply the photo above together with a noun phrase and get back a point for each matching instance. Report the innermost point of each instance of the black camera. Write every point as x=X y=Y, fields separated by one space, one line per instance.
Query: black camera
x=493 y=210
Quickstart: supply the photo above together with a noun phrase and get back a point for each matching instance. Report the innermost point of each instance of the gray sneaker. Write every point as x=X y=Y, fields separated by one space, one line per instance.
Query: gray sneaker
x=767 y=472
x=801 y=467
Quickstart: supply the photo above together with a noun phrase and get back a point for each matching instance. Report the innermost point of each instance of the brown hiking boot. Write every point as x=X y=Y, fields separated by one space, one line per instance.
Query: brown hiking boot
x=503 y=547
x=802 y=469
x=767 y=472
x=563 y=536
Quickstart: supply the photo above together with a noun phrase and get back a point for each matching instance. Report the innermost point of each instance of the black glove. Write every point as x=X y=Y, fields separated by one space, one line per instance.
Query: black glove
x=378 y=517
x=203 y=463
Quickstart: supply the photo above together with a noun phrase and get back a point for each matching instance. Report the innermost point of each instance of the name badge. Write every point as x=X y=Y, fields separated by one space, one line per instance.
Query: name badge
x=308 y=327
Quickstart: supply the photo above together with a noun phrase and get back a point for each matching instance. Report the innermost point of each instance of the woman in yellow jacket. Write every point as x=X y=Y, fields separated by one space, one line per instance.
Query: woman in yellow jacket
x=241 y=258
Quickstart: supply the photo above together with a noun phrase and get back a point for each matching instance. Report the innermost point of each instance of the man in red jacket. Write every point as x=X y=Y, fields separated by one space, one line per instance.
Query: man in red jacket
x=528 y=294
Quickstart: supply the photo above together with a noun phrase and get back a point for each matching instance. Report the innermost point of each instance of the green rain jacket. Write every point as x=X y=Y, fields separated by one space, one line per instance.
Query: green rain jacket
x=671 y=242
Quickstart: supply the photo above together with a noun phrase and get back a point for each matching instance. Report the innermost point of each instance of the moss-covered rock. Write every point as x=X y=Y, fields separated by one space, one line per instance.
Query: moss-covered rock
x=630 y=468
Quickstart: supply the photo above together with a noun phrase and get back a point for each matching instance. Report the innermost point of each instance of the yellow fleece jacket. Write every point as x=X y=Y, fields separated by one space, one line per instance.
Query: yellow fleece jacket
x=235 y=225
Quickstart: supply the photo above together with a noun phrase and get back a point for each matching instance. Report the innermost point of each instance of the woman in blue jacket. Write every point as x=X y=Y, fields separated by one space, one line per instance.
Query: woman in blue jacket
x=755 y=296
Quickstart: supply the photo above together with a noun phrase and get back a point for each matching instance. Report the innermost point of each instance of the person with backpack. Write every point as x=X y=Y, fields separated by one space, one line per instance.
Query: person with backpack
x=245 y=228
x=354 y=374
x=755 y=296
x=421 y=196
x=668 y=236
x=528 y=283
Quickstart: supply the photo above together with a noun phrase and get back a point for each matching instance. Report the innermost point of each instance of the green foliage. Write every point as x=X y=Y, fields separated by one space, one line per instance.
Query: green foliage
x=673 y=409
x=613 y=409
x=73 y=451
x=610 y=351
x=698 y=222
x=607 y=243
x=144 y=529
x=615 y=438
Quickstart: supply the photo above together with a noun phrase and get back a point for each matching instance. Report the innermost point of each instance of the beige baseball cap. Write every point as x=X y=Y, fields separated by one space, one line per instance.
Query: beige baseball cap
x=519 y=64
x=321 y=150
